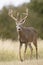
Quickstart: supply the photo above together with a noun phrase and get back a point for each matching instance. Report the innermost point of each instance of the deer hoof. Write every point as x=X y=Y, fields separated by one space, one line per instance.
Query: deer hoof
x=21 y=60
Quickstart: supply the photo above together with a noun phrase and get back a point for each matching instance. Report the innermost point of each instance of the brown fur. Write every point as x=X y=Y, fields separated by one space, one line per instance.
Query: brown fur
x=27 y=35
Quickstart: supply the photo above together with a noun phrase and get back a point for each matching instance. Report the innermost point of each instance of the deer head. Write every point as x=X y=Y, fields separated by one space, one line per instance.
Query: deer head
x=21 y=21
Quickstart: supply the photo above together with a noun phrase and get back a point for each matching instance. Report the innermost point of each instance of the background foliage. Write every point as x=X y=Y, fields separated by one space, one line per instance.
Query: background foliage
x=35 y=19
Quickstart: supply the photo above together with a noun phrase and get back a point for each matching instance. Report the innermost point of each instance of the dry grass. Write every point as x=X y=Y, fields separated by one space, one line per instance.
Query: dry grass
x=9 y=53
x=26 y=62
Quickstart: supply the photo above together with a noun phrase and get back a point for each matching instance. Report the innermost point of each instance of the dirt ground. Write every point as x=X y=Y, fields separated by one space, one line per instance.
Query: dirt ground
x=14 y=45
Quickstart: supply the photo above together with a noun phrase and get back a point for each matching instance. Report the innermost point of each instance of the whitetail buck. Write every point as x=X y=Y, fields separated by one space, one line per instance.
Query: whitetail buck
x=26 y=34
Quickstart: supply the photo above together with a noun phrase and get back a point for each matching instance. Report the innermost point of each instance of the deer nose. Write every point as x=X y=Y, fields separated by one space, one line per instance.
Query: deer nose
x=19 y=29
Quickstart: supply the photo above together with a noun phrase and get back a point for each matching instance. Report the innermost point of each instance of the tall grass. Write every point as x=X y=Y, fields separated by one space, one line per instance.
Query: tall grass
x=9 y=50
x=8 y=55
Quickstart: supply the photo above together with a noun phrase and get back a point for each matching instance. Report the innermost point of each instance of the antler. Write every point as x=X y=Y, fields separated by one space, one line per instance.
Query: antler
x=10 y=13
x=26 y=11
x=24 y=19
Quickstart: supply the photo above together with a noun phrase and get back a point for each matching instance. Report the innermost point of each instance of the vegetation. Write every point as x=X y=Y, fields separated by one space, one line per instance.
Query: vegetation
x=35 y=19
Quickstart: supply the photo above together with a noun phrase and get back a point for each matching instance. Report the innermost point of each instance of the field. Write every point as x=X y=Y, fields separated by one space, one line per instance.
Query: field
x=9 y=53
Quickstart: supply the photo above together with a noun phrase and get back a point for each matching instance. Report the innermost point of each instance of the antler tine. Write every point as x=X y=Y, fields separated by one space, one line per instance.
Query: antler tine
x=24 y=19
x=26 y=11
x=17 y=15
x=10 y=13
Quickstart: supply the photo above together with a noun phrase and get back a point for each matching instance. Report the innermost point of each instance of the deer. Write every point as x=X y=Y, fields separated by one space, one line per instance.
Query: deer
x=26 y=35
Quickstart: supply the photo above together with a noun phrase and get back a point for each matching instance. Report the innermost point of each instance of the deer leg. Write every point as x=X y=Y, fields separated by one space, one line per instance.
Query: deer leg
x=35 y=44
x=25 y=51
x=20 y=51
x=36 y=52
x=31 y=50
